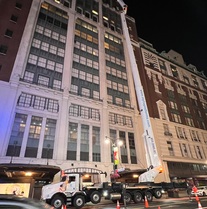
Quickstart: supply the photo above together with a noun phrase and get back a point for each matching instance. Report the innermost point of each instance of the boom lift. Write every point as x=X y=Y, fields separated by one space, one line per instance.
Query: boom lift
x=153 y=161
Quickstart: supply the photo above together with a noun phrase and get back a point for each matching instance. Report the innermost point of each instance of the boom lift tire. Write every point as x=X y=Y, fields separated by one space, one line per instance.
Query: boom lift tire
x=78 y=201
x=128 y=198
x=57 y=201
x=95 y=197
x=157 y=193
x=138 y=197
x=149 y=196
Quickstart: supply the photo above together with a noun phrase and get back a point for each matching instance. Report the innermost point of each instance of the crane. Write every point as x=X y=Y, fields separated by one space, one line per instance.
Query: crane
x=152 y=158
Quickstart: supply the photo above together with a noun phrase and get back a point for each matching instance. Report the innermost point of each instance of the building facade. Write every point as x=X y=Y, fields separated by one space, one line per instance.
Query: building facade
x=66 y=85
x=178 y=94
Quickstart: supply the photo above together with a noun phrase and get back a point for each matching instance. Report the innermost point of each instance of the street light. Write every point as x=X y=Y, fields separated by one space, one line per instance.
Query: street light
x=115 y=143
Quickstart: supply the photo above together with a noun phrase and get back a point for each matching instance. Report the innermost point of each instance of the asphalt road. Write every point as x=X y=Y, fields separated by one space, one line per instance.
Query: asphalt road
x=163 y=203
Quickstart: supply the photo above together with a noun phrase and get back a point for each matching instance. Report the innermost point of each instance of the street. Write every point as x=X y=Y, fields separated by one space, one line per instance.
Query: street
x=163 y=203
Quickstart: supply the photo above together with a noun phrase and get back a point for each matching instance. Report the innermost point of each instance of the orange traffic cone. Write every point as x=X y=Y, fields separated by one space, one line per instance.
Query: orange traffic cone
x=146 y=205
x=117 y=205
x=199 y=205
x=64 y=207
x=197 y=198
x=158 y=207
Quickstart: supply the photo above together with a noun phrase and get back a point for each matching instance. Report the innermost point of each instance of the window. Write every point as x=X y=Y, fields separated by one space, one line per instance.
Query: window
x=8 y=33
x=185 y=109
x=96 y=95
x=25 y=100
x=186 y=79
x=41 y=62
x=189 y=121
x=86 y=92
x=45 y=46
x=3 y=49
x=57 y=84
x=194 y=136
x=195 y=82
x=74 y=89
x=119 y=101
x=84 y=146
x=170 y=148
x=14 y=18
x=34 y=137
x=39 y=29
x=84 y=112
x=96 y=150
x=173 y=105
x=79 y=10
x=17 y=134
x=72 y=141
x=132 y=148
x=174 y=71
x=28 y=76
x=50 y=65
x=32 y=59
x=198 y=152
x=52 y=105
x=181 y=133
x=204 y=84
x=42 y=80
x=18 y=5
x=120 y=120
x=166 y=130
x=39 y=103
x=162 y=66
x=184 y=150
x=176 y=118
x=49 y=138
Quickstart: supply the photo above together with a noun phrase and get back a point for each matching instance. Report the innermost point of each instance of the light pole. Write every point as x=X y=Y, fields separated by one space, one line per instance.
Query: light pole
x=115 y=143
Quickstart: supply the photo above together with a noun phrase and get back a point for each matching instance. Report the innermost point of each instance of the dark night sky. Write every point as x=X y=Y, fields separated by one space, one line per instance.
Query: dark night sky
x=180 y=25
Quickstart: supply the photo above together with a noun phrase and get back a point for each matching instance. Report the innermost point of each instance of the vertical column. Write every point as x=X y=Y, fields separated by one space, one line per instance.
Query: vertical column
x=25 y=137
x=39 y=152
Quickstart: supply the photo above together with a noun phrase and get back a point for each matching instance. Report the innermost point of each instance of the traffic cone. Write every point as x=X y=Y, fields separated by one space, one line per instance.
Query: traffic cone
x=64 y=207
x=199 y=205
x=197 y=198
x=146 y=205
x=117 y=205
x=158 y=207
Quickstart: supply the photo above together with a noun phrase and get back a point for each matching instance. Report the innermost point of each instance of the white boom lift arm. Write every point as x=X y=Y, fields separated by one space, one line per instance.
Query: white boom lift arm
x=153 y=161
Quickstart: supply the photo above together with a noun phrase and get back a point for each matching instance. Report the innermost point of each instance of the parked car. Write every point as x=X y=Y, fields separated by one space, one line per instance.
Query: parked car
x=17 y=202
x=201 y=191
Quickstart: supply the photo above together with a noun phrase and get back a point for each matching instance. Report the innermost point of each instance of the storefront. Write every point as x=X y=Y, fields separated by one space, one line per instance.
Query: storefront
x=25 y=179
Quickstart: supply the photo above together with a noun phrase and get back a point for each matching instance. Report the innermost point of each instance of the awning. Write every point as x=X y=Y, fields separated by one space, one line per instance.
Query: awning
x=35 y=171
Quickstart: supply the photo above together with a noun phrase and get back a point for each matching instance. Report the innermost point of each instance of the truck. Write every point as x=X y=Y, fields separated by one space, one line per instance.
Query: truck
x=79 y=186
x=75 y=188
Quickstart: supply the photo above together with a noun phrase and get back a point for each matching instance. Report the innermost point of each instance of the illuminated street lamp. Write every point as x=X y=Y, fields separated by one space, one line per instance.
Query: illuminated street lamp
x=115 y=143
